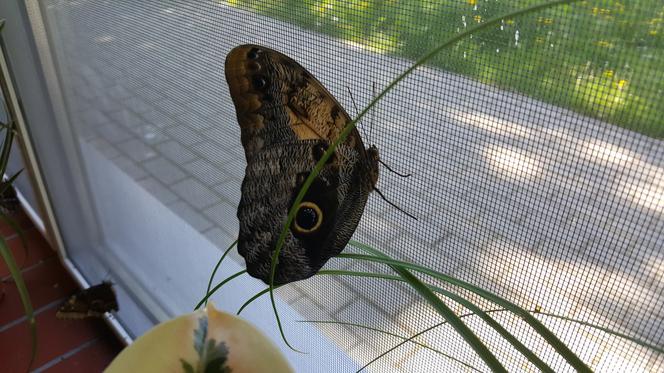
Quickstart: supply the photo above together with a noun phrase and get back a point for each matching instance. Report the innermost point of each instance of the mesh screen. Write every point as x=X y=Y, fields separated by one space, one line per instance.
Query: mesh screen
x=535 y=149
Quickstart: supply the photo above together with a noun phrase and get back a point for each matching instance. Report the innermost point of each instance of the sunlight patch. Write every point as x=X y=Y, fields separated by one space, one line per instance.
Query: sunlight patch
x=595 y=149
x=648 y=195
x=512 y=164
x=492 y=124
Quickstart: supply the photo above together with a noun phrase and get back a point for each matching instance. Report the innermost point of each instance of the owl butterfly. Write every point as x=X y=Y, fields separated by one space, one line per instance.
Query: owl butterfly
x=91 y=302
x=287 y=121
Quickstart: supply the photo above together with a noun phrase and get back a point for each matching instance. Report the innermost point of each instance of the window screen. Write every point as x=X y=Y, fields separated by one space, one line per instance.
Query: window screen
x=534 y=147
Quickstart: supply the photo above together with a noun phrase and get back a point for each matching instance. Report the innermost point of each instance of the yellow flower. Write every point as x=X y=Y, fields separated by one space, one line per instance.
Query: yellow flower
x=510 y=21
x=622 y=83
x=603 y=44
x=477 y=18
x=472 y=2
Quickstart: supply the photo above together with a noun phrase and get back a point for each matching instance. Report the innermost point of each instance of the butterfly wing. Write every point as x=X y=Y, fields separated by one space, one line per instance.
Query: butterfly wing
x=336 y=199
x=287 y=121
x=91 y=302
x=277 y=100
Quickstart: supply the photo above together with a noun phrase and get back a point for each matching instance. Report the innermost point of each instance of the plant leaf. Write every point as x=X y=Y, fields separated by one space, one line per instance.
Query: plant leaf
x=214 y=271
x=405 y=339
x=24 y=295
x=24 y=241
x=209 y=294
x=549 y=336
x=7 y=183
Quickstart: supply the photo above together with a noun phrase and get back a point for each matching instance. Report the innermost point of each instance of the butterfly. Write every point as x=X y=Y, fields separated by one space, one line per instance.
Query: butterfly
x=91 y=302
x=287 y=121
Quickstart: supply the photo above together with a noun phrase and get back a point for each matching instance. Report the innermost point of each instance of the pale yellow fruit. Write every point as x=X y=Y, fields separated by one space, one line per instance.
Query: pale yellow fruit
x=174 y=346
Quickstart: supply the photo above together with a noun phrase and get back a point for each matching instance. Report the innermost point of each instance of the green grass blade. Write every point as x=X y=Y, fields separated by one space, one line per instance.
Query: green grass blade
x=405 y=340
x=659 y=349
x=475 y=310
x=209 y=293
x=350 y=126
x=542 y=330
x=6 y=148
x=21 y=235
x=322 y=272
x=461 y=300
x=216 y=267
x=7 y=183
x=256 y=296
x=473 y=340
x=23 y=293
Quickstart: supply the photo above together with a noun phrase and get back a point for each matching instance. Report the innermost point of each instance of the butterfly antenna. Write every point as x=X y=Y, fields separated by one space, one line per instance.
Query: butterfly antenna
x=373 y=114
x=392 y=204
x=357 y=111
x=391 y=170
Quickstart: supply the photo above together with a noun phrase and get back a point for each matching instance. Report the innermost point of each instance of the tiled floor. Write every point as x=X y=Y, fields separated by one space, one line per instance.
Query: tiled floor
x=63 y=345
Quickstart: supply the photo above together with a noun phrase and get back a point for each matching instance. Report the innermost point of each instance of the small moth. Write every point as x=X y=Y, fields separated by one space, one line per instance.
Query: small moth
x=91 y=302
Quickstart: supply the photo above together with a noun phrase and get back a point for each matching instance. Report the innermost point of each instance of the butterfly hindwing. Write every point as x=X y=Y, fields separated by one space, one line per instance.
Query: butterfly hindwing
x=287 y=121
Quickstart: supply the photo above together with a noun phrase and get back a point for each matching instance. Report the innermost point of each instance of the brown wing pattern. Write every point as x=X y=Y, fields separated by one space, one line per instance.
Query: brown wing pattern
x=277 y=100
x=91 y=302
x=287 y=121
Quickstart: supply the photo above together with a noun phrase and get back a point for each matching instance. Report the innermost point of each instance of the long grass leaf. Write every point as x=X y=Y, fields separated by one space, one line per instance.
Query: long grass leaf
x=542 y=330
x=4 y=185
x=6 y=148
x=336 y=272
x=452 y=318
x=209 y=294
x=475 y=310
x=410 y=339
x=350 y=126
x=23 y=294
x=21 y=234
x=216 y=267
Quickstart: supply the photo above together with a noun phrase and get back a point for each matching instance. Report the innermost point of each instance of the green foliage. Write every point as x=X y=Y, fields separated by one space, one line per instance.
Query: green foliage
x=596 y=57
x=214 y=272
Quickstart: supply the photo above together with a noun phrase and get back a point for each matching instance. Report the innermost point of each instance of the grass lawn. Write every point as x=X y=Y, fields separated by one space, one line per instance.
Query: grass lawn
x=601 y=58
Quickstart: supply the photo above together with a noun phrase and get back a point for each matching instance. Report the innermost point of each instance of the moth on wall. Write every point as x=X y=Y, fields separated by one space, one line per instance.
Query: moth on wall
x=287 y=121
